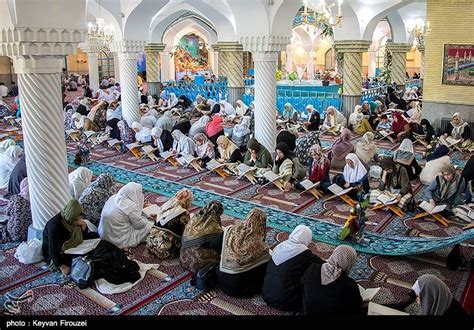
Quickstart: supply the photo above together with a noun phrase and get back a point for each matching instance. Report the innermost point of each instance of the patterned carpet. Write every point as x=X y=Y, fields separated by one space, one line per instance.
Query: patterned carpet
x=33 y=290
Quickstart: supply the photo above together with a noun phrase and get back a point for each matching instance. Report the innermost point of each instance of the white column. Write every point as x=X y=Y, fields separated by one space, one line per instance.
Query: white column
x=309 y=65
x=116 y=68
x=215 y=62
x=43 y=127
x=372 y=61
x=265 y=98
x=129 y=89
x=165 y=65
x=93 y=63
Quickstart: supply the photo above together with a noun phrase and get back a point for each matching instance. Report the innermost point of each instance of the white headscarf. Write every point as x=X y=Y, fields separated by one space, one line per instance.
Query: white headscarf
x=5 y=144
x=130 y=198
x=8 y=160
x=297 y=243
x=151 y=100
x=156 y=133
x=227 y=108
x=211 y=103
x=342 y=259
x=355 y=174
x=111 y=114
x=148 y=121
x=406 y=145
x=241 y=109
x=182 y=144
x=173 y=100
x=165 y=122
x=79 y=180
x=144 y=133
x=242 y=128
x=458 y=129
x=199 y=126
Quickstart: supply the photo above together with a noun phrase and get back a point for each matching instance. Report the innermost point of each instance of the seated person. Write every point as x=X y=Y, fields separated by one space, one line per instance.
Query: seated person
x=165 y=122
x=8 y=161
x=405 y=156
x=446 y=188
x=395 y=181
x=227 y=110
x=199 y=126
x=227 y=152
x=241 y=131
x=354 y=175
x=162 y=140
x=457 y=129
x=183 y=124
x=258 y=156
x=366 y=149
x=241 y=109
x=17 y=175
x=72 y=86
x=204 y=148
x=334 y=121
x=303 y=144
x=201 y=243
x=319 y=166
x=244 y=256
x=358 y=122
x=283 y=165
x=79 y=180
x=148 y=121
x=435 y=162
x=428 y=131
x=398 y=124
x=416 y=114
x=142 y=134
x=314 y=119
x=184 y=102
x=384 y=125
x=328 y=289
x=290 y=115
x=340 y=149
x=96 y=195
x=214 y=129
x=182 y=144
x=19 y=217
x=122 y=222
x=165 y=236
x=290 y=260
x=65 y=230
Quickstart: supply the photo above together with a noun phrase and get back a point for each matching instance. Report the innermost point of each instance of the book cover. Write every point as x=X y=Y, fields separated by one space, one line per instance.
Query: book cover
x=151 y=209
x=368 y=294
x=86 y=246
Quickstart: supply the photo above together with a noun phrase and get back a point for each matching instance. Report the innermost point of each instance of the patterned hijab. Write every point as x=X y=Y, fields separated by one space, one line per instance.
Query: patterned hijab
x=458 y=129
x=69 y=214
x=182 y=200
x=297 y=243
x=244 y=246
x=24 y=191
x=226 y=147
x=203 y=226
x=435 y=296
x=342 y=144
x=448 y=188
x=342 y=259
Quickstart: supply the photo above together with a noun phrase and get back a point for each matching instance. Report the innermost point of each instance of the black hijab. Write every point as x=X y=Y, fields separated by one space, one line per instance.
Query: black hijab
x=468 y=172
x=18 y=174
x=283 y=147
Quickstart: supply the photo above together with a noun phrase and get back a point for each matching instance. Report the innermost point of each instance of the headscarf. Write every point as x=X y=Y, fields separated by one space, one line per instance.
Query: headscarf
x=183 y=199
x=203 y=226
x=399 y=125
x=448 y=188
x=205 y=148
x=355 y=174
x=144 y=133
x=342 y=144
x=228 y=147
x=69 y=214
x=297 y=243
x=435 y=296
x=288 y=114
x=405 y=153
x=243 y=128
x=417 y=115
x=130 y=198
x=241 y=108
x=366 y=149
x=151 y=100
x=227 y=108
x=283 y=147
x=356 y=116
x=332 y=116
x=148 y=121
x=5 y=144
x=341 y=260
x=199 y=126
x=165 y=122
x=172 y=101
x=215 y=126
x=96 y=195
x=182 y=144
x=254 y=145
x=244 y=246
x=458 y=129
x=319 y=166
x=439 y=152
x=79 y=180
x=156 y=132
x=24 y=190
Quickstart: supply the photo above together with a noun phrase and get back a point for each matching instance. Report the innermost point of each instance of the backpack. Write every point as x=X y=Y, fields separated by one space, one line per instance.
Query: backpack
x=82 y=272
x=205 y=278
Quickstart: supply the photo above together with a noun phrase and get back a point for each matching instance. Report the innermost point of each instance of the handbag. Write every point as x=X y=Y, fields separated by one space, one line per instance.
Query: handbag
x=205 y=278
x=82 y=272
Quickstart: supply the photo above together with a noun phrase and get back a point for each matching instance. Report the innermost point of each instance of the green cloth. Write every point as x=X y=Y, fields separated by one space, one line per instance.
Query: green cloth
x=70 y=213
x=264 y=158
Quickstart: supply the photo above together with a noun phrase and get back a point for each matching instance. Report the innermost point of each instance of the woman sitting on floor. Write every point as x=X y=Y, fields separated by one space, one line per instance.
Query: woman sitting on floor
x=214 y=129
x=165 y=122
x=127 y=135
x=227 y=110
x=241 y=131
x=258 y=156
x=334 y=121
x=228 y=153
x=79 y=180
x=435 y=162
x=165 y=237
x=457 y=129
x=405 y=156
x=148 y=121
x=283 y=165
x=394 y=182
x=122 y=222
x=162 y=140
x=199 y=126
x=288 y=136
x=366 y=149
x=319 y=166
x=290 y=260
x=65 y=230
x=446 y=188
x=358 y=122
x=428 y=131
x=354 y=175
x=241 y=109
x=19 y=217
x=314 y=119
x=182 y=145
x=201 y=243
x=183 y=124
x=340 y=149
x=398 y=124
x=96 y=195
x=328 y=289
x=303 y=145
x=204 y=148
x=244 y=257
x=5 y=144
x=142 y=134
x=290 y=115
x=416 y=114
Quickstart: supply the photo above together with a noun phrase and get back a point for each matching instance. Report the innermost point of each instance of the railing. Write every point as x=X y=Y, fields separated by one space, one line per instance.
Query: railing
x=413 y=83
x=370 y=94
x=216 y=91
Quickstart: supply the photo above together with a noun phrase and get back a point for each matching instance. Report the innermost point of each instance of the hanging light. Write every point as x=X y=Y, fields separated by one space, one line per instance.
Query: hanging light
x=315 y=15
x=420 y=31
x=99 y=32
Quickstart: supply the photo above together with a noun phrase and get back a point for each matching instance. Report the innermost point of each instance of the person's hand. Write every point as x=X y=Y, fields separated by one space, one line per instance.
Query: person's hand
x=153 y=217
x=81 y=223
x=347 y=185
x=220 y=160
x=399 y=197
x=445 y=134
x=65 y=269
x=384 y=175
x=288 y=186
x=432 y=202
x=253 y=157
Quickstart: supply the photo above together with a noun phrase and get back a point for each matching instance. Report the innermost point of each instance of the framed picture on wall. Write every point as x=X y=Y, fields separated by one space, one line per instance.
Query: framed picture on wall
x=458 y=65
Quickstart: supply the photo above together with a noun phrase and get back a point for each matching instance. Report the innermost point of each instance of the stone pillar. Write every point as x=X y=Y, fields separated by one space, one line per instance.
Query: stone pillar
x=152 y=52
x=165 y=60
x=127 y=51
x=231 y=65
x=43 y=129
x=372 y=60
x=352 y=67
x=399 y=62
x=421 y=49
x=116 y=68
x=92 y=51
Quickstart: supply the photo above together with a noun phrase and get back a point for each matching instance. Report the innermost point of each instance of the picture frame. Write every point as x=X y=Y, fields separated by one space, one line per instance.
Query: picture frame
x=458 y=65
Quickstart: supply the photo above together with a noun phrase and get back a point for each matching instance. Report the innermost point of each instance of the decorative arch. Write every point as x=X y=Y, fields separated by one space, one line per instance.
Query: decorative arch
x=187 y=24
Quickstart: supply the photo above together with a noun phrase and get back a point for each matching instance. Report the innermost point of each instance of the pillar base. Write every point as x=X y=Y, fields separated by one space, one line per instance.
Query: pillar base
x=34 y=233
x=234 y=94
x=349 y=103
x=154 y=88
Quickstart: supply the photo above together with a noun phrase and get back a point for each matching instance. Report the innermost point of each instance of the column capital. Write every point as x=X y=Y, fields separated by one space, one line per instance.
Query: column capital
x=352 y=46
x=265 y=56
x=154 y=47
x=421 y=48
x=128 y=46
x=228 y=46
x=20 y=41
x=264 y=43
x=38 y=64
x=398 y=48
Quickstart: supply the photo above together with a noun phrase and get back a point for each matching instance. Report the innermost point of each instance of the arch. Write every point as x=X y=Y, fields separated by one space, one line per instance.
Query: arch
x=282 y=16
x=305 y=38
x=187 y=26
x=329 y=59
x=184 y=21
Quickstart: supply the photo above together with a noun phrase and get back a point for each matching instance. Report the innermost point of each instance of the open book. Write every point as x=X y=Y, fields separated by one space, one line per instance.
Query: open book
x=167 y=154
x=152 y=209
x=148 y=149
x=385 y=133
x=376 y=309
x=71 y=131
x=270 y=176
x=387 y=199
x=452 y=141
x=113 y=142
x=336 y=190
x=213 y=165
x=3 y=136
x=103 y=138
x=164 y=217
x=133 y=145
x=86 y=246
x=88 y=134
x=367 y=294
x=307 y=184
x=430 y=209
x=186 y=159
x=244 y=168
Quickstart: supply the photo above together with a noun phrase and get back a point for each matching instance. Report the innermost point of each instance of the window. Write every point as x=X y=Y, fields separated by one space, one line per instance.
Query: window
x=106 y=64
x=329 y=59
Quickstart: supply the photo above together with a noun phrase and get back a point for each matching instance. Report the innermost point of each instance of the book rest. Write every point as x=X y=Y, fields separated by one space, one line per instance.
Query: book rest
x=392 y=207
x=436 y=216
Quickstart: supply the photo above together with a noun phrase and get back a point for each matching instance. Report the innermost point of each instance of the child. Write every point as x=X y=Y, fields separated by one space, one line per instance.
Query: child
x=384 y=125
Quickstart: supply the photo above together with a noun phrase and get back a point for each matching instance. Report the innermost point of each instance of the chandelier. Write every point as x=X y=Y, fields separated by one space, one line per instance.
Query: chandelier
x=321 y=16
x=419 y=32
x=99 y=33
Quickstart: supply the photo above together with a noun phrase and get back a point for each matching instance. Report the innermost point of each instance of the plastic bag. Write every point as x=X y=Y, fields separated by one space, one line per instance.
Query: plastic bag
x=29 y=252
